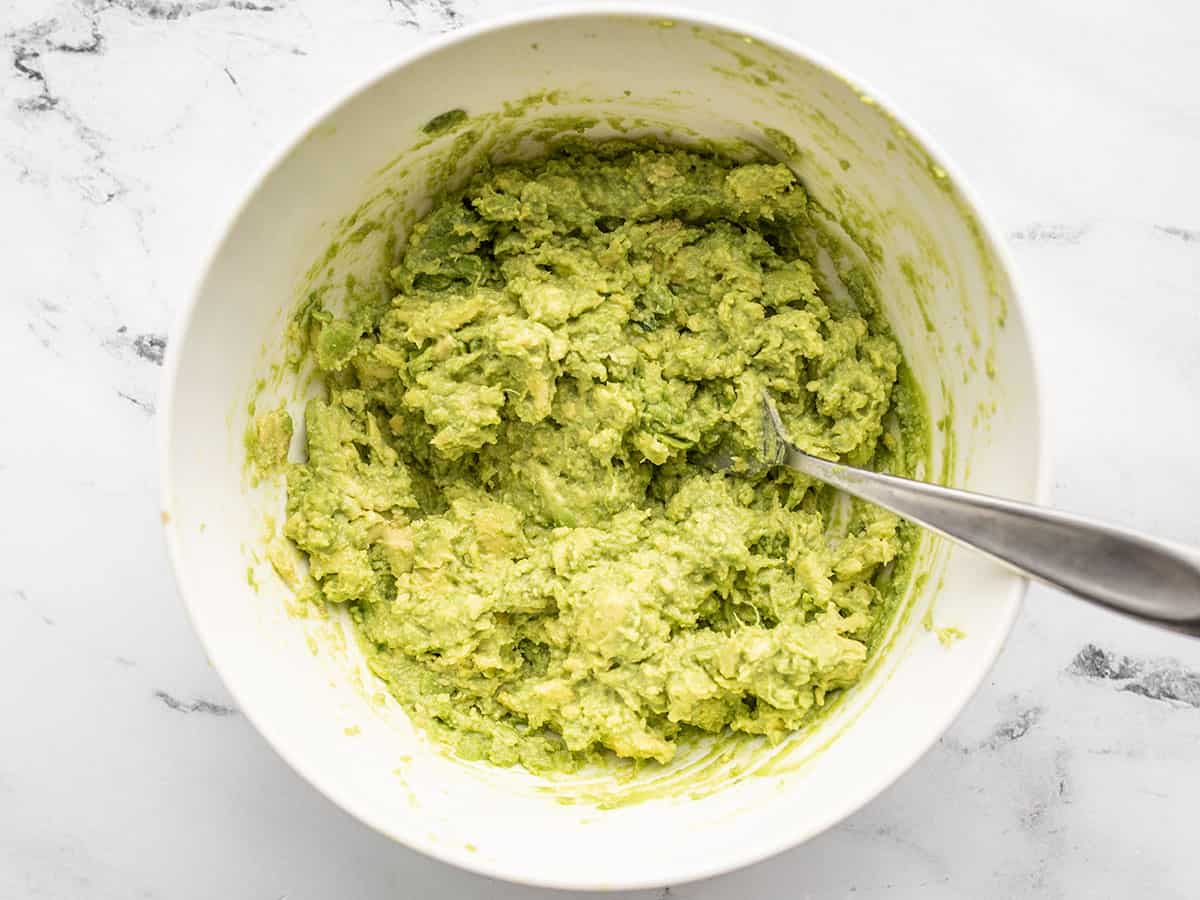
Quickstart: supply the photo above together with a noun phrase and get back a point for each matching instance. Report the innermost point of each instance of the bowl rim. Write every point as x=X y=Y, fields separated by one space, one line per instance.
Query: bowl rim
x=674 y=873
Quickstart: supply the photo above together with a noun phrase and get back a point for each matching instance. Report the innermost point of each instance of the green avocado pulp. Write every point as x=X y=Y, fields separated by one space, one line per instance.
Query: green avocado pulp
x=505 y=482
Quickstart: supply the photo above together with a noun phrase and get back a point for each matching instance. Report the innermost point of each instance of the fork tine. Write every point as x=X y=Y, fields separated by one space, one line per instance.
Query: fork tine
x=773 y=438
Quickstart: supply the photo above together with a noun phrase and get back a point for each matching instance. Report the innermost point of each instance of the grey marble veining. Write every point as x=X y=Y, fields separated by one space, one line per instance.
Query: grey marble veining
x=129 y=127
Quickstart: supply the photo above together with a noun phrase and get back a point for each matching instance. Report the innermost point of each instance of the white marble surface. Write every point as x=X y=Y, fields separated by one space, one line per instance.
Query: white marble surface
x=128 y=127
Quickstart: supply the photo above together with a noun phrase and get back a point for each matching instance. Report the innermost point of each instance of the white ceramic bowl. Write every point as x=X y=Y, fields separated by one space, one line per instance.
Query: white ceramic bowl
x=663 y=72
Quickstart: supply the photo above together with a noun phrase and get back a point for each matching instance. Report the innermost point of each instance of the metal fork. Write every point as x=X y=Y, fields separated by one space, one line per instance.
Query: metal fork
x=1141 y=576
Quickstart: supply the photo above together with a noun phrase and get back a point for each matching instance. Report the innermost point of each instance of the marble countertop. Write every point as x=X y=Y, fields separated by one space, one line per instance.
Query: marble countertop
x=128 y=128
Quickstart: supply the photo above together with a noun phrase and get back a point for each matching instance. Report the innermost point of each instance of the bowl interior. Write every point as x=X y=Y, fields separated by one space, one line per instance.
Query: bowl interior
x=369 y=168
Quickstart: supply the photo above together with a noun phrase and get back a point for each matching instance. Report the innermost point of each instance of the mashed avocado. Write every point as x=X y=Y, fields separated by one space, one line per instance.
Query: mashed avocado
x=505 y=482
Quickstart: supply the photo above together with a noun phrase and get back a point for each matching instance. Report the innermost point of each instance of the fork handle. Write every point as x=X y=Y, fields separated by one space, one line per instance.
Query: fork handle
x=1122 y=570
